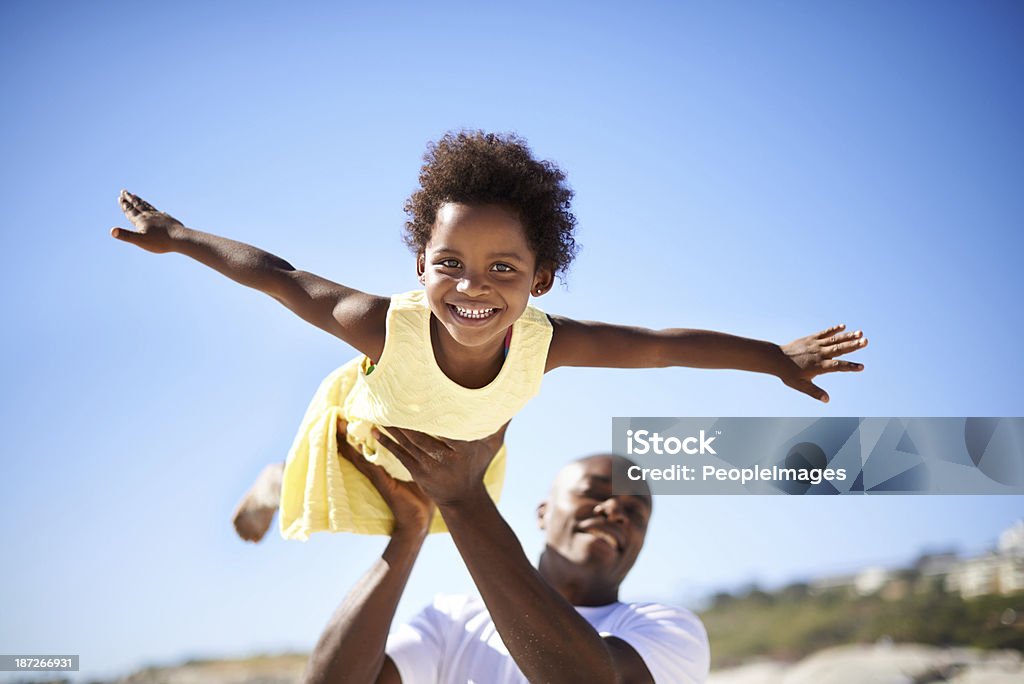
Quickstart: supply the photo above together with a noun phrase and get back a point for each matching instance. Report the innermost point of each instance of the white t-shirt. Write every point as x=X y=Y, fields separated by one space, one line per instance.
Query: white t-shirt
x=454 y=641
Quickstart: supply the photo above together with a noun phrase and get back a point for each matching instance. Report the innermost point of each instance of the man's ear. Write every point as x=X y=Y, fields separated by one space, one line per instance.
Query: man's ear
x=541 y=510
x=421 y=265
x=543 y=280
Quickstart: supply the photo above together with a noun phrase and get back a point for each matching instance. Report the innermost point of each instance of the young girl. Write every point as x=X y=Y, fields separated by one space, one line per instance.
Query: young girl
x=490 y=226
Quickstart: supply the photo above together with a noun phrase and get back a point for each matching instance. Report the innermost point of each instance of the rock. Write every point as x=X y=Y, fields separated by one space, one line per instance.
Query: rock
x=754 y=673
x=885 y=664
x=262 y=670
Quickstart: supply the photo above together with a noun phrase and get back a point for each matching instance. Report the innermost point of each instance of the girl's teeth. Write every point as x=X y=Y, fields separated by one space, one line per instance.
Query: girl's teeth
x=474 y=314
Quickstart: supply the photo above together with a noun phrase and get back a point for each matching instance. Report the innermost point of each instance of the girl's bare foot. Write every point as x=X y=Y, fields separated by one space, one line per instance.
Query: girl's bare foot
x=255 y=511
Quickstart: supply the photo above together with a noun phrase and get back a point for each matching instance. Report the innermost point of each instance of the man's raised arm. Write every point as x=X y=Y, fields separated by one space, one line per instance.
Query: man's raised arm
x=548 y=639
x=351 y=647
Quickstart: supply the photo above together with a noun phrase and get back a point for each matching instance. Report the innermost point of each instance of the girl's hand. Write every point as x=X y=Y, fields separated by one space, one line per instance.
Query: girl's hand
x=816 y=354
x=413 y=511
x=156 y=230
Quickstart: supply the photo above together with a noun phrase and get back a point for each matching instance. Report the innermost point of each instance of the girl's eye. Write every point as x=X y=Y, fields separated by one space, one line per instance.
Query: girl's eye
x=502 y=268
x=449 y=263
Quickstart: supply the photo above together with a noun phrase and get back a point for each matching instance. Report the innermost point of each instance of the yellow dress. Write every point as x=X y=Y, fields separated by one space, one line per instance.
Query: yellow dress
x=321 y=491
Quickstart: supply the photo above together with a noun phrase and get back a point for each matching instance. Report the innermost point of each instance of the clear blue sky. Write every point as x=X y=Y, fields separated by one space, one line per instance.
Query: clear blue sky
x=767 y=170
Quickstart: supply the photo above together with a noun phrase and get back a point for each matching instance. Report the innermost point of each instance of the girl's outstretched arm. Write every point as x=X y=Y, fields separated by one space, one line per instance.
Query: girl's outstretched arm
x=353 y=316
x=601 y=345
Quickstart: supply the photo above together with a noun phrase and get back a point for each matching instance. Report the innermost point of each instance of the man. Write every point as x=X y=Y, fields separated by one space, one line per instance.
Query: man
x=560 y=622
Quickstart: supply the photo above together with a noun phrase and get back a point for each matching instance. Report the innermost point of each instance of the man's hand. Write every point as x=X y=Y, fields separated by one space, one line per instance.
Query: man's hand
x=446 y=470
x=155 y=229
x=410 y=506
x=815 y=354
x=351 y=648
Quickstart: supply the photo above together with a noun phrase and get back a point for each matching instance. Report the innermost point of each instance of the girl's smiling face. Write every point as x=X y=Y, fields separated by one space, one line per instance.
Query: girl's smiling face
x=479 y=271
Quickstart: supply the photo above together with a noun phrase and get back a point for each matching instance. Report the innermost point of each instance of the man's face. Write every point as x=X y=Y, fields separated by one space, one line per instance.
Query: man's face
x=478 y=271
x=587 y=525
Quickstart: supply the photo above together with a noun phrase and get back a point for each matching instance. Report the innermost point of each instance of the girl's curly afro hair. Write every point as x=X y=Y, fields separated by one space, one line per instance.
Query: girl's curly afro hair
x=473 y=167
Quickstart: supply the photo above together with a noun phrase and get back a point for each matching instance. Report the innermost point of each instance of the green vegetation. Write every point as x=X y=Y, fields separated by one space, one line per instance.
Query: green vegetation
x=793 y=623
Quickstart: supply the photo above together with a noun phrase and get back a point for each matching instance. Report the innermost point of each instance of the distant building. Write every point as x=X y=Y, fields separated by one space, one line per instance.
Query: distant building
x=824 y=585
x=932 y=569
x=871 y=580
x=974 y=577
x=996 y=572
x=1010 y=574
x=1011 y=541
